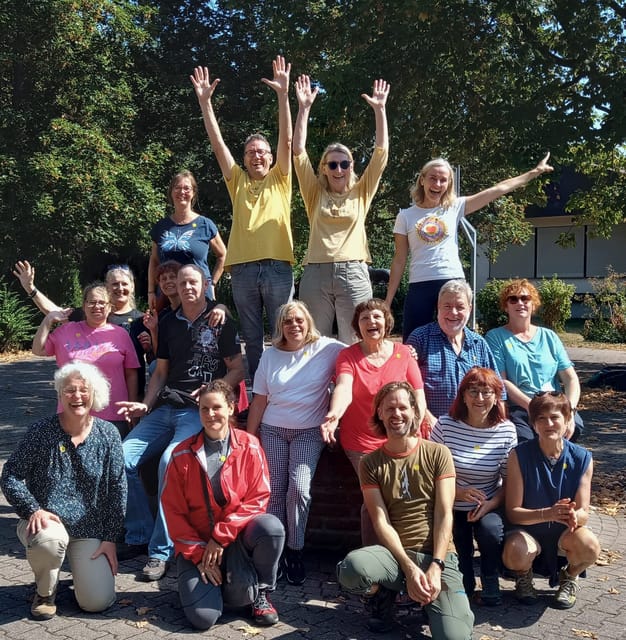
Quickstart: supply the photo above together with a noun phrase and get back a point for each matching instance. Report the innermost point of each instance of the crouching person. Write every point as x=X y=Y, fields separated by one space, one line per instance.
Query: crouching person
x=548 y=491
x=214 y=498
x=67 y=484
x=408 y=487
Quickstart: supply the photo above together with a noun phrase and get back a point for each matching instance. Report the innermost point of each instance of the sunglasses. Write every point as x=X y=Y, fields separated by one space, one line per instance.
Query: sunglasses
x=554 y=394
x=516 y=299
x=344 y=164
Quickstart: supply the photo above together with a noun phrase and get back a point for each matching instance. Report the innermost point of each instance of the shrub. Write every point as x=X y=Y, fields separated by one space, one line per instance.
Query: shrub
x=16 y=320
x=488 y=305
x=607 y=318
x=556 y=302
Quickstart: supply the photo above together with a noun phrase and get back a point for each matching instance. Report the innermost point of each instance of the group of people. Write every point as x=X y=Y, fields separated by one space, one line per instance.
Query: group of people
x=424 y=424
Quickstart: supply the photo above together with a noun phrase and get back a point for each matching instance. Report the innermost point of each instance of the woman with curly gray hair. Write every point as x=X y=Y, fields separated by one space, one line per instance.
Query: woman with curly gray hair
x=67 y=484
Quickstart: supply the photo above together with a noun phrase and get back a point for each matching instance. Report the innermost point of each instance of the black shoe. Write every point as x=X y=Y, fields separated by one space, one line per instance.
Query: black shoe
x=129 y=551
x=293 y=566
x=381 y=610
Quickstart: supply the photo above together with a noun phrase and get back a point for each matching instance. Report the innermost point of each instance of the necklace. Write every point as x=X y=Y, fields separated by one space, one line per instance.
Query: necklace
x=337 y=202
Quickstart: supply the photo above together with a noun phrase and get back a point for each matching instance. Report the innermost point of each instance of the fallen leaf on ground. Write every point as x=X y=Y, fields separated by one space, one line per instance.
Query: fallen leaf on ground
x=125 y=602
x=249 y=631
x=141 y=611
x=583 y=633
x=613 y=591
x=140 y=624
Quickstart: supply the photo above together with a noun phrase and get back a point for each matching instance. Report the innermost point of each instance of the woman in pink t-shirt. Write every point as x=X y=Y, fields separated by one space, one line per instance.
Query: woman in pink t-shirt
x=93 y=340
x=362 y=369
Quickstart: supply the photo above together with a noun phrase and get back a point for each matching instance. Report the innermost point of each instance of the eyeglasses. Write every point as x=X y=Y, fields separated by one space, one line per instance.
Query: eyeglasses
x=516 y=299
x=485 y=393
x=70 y=391
x=257 y=152
x=92 y=304
x=554 y=394
x=344 y=164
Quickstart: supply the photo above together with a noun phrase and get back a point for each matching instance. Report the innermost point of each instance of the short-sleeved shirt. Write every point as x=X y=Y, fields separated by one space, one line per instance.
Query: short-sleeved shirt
x=338 y=221
x=109 y=348
x=261 y=228
x=296 y=383
x=531 y=366
x=355 y=432
x=442 y=369
x=407 y=483
x=433 y=240
x=195 y=351
x=480 y=454
x=185 y=243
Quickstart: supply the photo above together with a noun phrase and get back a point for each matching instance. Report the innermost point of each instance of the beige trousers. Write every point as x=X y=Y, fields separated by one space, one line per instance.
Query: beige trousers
x=94 y=583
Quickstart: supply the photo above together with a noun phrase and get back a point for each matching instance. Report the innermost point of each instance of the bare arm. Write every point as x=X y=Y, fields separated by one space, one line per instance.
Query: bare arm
x=236 y=371
x=306 y=97
x=398 y=265
x=152 y=279
x=157 y=381
x=255 y=413
x=218 y=249
x=339 y=402
x=571 y=384
x=483 y=198
x=132 y=384
x=377 y=101
x=204 y=89
x=25 y=273
x=280 y=84
x=43 y=331
x=514 y=394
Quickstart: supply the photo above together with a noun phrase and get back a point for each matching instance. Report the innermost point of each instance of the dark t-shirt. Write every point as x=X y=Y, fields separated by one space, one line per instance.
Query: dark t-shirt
x=195 y=351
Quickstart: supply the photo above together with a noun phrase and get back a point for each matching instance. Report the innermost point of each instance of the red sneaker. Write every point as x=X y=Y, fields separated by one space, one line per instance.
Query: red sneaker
x=263 y=610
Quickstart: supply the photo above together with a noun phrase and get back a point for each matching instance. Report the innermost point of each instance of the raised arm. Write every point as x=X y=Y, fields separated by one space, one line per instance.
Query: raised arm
x=483 y=198
x=377 y=101
x=280 y=84
x=25 y=273
x=204 y=89
x=306 y=97
x=41 y=337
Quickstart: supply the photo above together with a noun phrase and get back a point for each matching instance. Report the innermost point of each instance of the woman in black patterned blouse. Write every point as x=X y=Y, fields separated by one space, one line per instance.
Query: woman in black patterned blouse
x=67 y=484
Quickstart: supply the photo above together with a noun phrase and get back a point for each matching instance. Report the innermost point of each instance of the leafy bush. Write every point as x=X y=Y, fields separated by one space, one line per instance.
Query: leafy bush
x=488 y=305
x=16 y=320
x=556 y=302
x=607 y=305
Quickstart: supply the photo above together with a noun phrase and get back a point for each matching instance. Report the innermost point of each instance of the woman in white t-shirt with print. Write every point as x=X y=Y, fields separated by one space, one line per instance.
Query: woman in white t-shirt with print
x=428 y=233
x=291 y=399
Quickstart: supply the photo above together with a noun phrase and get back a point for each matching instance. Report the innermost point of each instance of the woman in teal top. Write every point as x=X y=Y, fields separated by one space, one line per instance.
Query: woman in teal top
x=531 y=359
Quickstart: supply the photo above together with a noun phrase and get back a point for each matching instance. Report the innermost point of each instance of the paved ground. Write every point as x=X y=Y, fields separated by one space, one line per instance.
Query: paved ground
x=317 y=610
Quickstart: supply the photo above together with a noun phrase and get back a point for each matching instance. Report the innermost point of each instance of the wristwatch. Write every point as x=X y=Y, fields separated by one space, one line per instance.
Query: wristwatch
x=440 y=563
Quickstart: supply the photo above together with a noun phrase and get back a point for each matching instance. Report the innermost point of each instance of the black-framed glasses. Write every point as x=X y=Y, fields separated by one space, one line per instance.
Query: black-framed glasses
x=516 y=299
x=554 y=394
x=333 y=164
x=257 y=152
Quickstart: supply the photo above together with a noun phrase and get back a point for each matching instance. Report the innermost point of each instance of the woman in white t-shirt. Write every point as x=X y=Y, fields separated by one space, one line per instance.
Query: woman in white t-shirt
x=428 y=232
x=291 y=399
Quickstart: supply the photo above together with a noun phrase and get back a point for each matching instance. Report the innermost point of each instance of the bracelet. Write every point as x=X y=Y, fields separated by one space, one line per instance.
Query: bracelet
x=33 y=293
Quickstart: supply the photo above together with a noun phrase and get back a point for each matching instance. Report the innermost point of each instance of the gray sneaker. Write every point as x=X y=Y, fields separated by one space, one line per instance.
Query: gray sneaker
x=155 y=569
x=565 y=597
x=525 y=589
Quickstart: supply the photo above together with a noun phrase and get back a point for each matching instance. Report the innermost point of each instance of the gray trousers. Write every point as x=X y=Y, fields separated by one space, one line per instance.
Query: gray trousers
x=449 y=616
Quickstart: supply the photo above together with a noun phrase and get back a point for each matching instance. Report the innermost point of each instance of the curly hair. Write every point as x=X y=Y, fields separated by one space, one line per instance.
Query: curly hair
x=99 y=386
x=515 y=288
x=371 y=305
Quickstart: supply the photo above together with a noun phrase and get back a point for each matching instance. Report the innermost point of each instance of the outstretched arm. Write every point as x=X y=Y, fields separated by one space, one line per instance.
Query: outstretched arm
x=483 y=198
x=377 y=101
x=306 y=97
x=204 y=89
x=25 y=273
x=280 y=84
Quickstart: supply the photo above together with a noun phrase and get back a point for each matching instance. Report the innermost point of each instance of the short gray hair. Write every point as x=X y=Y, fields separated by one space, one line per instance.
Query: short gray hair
x=92 y=376
x=456 y=287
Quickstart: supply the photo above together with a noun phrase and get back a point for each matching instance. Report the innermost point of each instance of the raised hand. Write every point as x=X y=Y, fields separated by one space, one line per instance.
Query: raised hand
x=25 y=273
x=281 y=70
x=202 y=84
x=378 y=99
x=543 y=166
x=306 y=96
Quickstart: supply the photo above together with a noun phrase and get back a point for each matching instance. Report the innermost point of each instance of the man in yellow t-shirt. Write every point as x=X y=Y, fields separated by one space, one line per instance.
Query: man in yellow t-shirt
x=260 y=247
x=408 y=488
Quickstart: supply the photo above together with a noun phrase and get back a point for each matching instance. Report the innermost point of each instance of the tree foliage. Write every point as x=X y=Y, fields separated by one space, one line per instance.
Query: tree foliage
x=97 y=111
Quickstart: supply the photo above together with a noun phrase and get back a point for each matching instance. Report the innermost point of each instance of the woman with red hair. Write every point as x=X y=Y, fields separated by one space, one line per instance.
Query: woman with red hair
x=480 y=438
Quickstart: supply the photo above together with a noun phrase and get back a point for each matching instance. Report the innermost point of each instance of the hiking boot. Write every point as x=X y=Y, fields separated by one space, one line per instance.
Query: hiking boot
x=565 y=597
x=490 y=595
x=381 y=610
x=43 y=607
x=293 y=566
x=155 y=569
x=263 y=611
x=524 y=588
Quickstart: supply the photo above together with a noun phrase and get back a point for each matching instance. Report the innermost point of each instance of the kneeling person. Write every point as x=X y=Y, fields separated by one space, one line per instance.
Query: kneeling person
x=408 y=487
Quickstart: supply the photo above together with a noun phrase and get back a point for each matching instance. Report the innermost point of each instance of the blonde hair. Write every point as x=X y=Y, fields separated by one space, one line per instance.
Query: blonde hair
x=417 y=190
x=312 y=334
x=335 y=147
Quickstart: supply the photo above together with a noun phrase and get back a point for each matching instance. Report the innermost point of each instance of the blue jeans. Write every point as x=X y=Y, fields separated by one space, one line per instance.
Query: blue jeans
x=489 y=534
x=164 y=426
x=256 y=285
x=335 y=288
